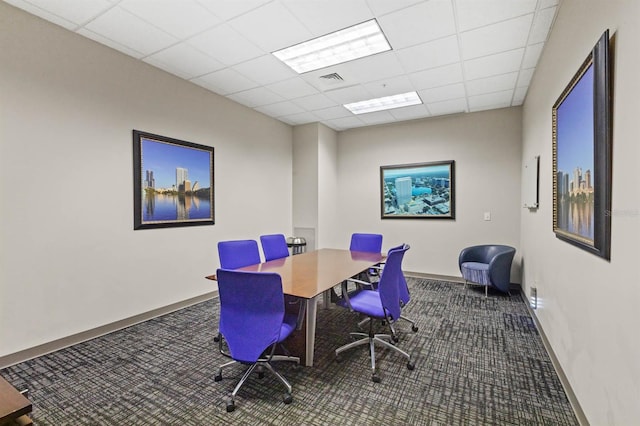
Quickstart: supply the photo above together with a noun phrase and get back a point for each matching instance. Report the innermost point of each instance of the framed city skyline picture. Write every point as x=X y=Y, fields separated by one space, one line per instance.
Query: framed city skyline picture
x=582 y=156
x=172 y=182
x=418 y=191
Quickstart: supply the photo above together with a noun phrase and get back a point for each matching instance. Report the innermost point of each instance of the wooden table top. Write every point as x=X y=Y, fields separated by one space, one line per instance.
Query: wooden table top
x=309 y=274
x=12 y=403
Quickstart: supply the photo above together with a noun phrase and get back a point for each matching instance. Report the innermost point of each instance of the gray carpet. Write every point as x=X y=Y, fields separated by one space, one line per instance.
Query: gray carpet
x=478 y=362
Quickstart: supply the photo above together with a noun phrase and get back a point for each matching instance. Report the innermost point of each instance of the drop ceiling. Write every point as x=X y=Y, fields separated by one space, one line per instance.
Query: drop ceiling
x=458 y=55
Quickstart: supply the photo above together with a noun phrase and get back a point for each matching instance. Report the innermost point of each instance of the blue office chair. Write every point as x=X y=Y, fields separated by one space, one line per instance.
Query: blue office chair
x=234 y=254
x=487 y=265
x=405 y=298
x=383 y=304
x=371 y=243
x=274 y=246
x=253 y=322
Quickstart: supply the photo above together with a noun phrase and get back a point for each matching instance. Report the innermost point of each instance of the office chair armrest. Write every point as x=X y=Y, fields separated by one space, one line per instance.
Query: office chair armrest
x=345 y=293
x=362 y=284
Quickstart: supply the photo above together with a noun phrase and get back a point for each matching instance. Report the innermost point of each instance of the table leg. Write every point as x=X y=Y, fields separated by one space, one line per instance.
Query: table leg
x=312 y=306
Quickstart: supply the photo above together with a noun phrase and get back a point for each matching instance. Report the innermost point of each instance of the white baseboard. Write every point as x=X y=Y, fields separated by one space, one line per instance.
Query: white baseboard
x=573 y=400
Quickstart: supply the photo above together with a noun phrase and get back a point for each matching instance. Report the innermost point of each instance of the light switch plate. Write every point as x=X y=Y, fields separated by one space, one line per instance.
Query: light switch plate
x=487 y=215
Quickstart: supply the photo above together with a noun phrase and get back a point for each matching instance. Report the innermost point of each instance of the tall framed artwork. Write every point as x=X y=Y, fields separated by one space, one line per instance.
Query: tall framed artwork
x=172 y=182
x=582 y=155
x=418 y=191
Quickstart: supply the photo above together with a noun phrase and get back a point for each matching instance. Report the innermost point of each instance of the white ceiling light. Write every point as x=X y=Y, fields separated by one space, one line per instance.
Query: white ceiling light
x=388 y=102
x=341 y=46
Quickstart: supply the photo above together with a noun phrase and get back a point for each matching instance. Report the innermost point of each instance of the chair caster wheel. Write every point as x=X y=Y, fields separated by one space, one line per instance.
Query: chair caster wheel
x=375 y=378
x=338 y=359
x=414 y=328
x=231 y=406
x=217 y=338
x=395 y=339
x=410 y=365
x=287 y=399
x=260 y=374
x=218 y=376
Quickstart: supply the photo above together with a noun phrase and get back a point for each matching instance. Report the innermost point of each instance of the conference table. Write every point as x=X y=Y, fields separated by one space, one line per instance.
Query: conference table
x=308 y=277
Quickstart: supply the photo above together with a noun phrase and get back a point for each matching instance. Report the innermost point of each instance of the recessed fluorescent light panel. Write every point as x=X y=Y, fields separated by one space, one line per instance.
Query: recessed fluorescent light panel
x=388 y=102
x=335 y=48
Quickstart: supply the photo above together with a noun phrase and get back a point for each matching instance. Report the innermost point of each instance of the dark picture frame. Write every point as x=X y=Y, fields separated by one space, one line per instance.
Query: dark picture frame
x=173 y=182
x=582 y=155
x=418 y=191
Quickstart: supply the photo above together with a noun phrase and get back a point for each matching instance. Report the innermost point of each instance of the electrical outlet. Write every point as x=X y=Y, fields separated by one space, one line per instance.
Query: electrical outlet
x=534 y=297
x=487 y=215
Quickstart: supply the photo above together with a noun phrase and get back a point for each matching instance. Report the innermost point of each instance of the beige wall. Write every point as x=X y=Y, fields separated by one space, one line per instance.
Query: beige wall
x=69 y=258
x=588 y=306
x=486 y=147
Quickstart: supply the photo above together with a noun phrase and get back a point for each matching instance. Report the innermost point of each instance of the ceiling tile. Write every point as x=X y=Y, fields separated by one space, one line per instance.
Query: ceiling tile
x=280 y=109
x=543 y=4
x=371 y=68
x=417 y=24
x=490 y=100
x=322 y=17
x=492 y=84
x=382 y=7
x=314 y=102
x=344 y=123
x=429 y=55
x=266 y=69
x=444 y=93
x=184 y=60
x=524 y=79
x=348 y=94
x=410 y=113
x=487 y=66
x=436 y=77
x=390 y=86
x=271 y=27
x=75 y=12
x=379 y=117
x=453 y=106
x=531 y=55
x=180 y=19
x=227 y=9
x=333 y=112
x=519 y=96
x=226 y=45
x=130 y=31
x=542 y=25
x=301 y=118
x=225 y=81
x=256 y=97
x=473 y=13
x=293 y=88
x=110 y=43
x=507 y=35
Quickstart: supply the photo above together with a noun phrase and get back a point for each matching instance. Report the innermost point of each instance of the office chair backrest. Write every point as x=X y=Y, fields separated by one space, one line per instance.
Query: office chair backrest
x=405 y=297
x=238 y=253
x=371 y=243
x=391 y=281
x=251 y=311
x=274 y=246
